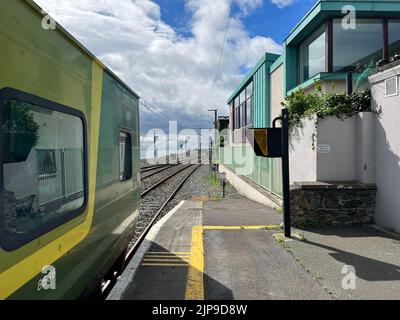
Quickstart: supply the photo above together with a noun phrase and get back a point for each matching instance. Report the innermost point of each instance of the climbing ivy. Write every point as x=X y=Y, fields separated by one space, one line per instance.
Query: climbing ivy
x=319 y=105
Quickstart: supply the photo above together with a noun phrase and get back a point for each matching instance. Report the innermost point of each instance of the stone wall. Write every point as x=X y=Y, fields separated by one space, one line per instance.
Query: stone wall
x=317 y=204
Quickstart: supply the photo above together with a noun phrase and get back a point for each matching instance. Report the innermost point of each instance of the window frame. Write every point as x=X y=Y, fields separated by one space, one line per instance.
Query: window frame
x=12 y=245
x=385 y=22
x=249 y=104
x=316 y=34
x=240 y=112
x=397 y=87
x=387 y=31
x=379 y=21
x=129 y=135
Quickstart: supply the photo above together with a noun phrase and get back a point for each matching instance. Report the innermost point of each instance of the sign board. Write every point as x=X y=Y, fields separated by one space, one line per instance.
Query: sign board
x=266 y=142
x=324 y=148
x=274 y=143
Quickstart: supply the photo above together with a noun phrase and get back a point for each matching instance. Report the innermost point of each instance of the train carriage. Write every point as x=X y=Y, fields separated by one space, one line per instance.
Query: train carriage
x=69 y=146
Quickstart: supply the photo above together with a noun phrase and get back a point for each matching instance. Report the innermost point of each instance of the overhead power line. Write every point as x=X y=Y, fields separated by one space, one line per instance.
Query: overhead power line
x=222 y=52
x=153 y=110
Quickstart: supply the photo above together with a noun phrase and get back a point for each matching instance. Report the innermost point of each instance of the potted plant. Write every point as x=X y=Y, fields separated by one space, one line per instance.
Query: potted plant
x=20 y=131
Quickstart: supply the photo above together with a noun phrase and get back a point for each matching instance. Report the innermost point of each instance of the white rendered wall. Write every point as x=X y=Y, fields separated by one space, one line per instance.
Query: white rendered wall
x=277 y=95
x=365 y=156
x=340 y=137
x=303 y=159
x=387 y=135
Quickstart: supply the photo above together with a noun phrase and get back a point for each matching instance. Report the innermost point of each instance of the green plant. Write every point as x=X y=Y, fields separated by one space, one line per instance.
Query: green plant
x=17 y=118
x=300 y=103
x=213 y=181
x=319 y=105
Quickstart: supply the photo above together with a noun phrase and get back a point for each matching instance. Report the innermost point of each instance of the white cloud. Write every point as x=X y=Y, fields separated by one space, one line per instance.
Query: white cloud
x=248 y=5
x=283 y=3
x=173 y=72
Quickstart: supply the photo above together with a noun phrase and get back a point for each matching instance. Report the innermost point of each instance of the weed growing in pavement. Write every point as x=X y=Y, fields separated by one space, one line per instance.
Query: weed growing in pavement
x=213 y=181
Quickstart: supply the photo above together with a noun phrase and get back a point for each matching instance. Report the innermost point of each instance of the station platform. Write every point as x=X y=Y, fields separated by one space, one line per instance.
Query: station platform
x=216 y=250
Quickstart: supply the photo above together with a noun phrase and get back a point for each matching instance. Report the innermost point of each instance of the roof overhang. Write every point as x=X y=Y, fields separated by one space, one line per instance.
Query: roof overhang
x=267 y=58
x=324 y=9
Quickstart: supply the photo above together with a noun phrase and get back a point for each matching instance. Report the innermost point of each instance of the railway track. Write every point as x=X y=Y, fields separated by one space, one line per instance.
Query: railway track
x=154 y=171
x=154 y=199
x=153 y=167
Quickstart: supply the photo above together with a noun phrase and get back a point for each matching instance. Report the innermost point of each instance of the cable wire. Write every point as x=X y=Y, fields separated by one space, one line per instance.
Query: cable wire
x=221 y=53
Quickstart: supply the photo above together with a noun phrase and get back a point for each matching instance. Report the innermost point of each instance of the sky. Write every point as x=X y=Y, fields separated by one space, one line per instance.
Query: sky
x=168 y=51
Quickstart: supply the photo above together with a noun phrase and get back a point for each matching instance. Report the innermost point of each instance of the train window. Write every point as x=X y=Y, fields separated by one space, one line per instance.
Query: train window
x=125 y=156
x=43 y=167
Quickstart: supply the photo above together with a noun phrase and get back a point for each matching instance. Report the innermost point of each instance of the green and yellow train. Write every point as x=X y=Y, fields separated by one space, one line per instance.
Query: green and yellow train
x=69 y=146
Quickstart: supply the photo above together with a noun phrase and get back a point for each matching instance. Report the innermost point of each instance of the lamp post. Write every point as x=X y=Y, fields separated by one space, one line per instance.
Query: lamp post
x=200 y=143
x=155 y=148
x=215 y=127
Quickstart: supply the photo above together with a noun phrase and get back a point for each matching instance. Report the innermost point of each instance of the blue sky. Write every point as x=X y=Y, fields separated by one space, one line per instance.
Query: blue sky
x=266 y=20
x=168 y=50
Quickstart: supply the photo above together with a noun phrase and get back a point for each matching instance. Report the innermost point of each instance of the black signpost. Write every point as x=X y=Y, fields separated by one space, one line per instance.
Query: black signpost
x=285 y=172
x=274 y=143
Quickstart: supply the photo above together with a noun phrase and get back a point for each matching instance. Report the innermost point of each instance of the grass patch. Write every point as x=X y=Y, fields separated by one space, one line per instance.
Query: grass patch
x=280 y=238
x=213 y=181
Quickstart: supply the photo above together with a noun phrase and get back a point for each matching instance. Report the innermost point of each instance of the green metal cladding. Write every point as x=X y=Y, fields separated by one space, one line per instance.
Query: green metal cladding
x=260 y=75
x=261 y=96
x=266 y=172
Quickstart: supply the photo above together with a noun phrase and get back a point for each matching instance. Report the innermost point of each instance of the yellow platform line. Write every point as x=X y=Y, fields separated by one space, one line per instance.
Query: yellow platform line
x=195 y=281
x=195 y=285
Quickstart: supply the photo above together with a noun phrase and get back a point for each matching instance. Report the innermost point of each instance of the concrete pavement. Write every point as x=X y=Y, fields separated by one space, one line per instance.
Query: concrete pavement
x=216 y=250
x=374 y=254
x=250 y=263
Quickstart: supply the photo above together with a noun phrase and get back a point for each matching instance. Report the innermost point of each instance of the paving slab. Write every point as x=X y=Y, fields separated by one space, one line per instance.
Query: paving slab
x=216 y=250
x=240 y=212
x=162 y=273
x=375 y=255
x=250 y=264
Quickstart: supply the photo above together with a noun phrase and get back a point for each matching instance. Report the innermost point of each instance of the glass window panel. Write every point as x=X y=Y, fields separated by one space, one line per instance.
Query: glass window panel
x=248 y=114
x=125 y=156
x=43 y=167
x=237 y=102
x=237 y=118
x=243 y=96
x=312 y=55
x=249 y=90
x=243 y=115
x=231 y=117
x=394 y=37
x=362 y=46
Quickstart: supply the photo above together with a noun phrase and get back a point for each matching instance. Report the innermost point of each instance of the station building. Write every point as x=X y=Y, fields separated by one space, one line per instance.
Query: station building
x=321 y=50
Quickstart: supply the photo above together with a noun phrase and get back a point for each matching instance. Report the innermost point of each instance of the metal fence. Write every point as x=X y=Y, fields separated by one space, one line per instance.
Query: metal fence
x=60 y=174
